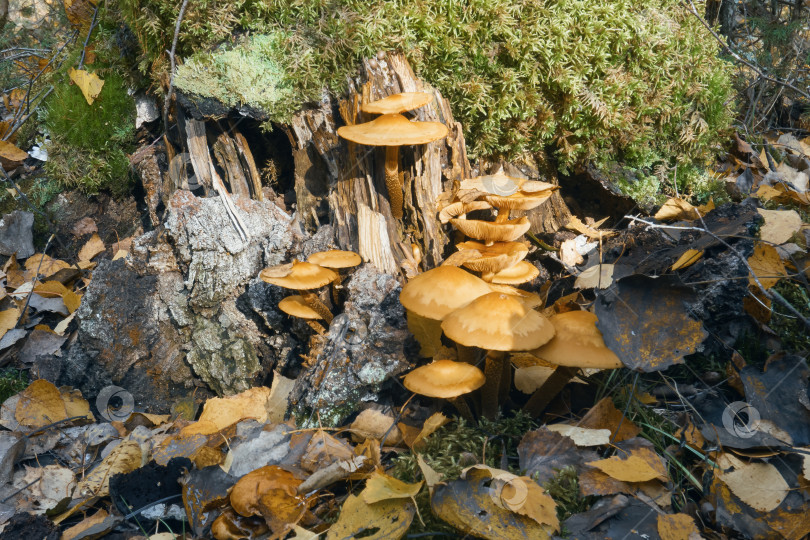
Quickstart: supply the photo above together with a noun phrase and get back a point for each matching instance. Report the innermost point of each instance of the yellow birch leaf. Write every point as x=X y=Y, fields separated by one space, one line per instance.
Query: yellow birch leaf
x=88 y=83
x=690 y=257
x=93 y=247
x=767 y=265
x=126 y=457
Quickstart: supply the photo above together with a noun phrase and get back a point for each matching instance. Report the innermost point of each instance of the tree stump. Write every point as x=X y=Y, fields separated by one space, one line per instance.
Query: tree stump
x=352 y=175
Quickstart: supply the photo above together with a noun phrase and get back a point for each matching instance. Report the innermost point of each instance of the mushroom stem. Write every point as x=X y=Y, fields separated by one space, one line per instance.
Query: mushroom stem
x=334 y=286
x=463 y=408
x=549 y=390
x=467 y=354
x=503 y=215
x=315 y=303
x=490 y=392
x=392 y=181
x=318 y=327
x=487 y=276
x=506 y=379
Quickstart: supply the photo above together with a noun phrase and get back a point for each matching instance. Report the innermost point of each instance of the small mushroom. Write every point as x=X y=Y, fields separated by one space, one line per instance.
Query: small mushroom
x=446 y=379
x=339 y=260
x=392 y=130
x=296 y=306
x=498 y=323
x=577 y=343
x=493 y=258
x=458 y=209
x=398 y=103
x=506 y=231
x=304 y=277
x=516 y=274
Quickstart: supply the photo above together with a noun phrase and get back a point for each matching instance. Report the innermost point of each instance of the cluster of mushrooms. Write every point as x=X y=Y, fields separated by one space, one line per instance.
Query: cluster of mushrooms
x=487 y=314
x=319 y=270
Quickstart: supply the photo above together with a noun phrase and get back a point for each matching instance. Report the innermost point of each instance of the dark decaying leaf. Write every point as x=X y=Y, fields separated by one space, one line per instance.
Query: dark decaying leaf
x=711 y=409
x=645 y=322
x=780 y=395
x=543 y=452
x=203 y=491
x=470 y=506
x=605 y=415
x=601 y=510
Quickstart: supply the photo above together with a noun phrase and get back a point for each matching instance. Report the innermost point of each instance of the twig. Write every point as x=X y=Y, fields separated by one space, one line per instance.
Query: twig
x=87 y=40
x=692 y=9
x=168 y=100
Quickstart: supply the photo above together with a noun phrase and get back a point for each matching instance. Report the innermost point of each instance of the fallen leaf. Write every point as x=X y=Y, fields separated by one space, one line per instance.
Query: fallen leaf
x=91 y=248
x=388 y=519
x=43 y=265
x=576 y=225
x=8 y=320
x=677 y=210
x=605 y=415
x=677 y=527
x=434 y=422
x=639 y=464
x=124 y=458
x=88 y=83
x=91 y=527
x=277 y=401
x=767 y=266
x=689 y=257
x=569 y=254
x=645 y=321
x=219 y=413
x=779 y=226
x=11 y=156
x=598 y=276
x=373 y=424
x=40 y=404
x=582 y=436
x=759 y=485
x=84 y=226
x=75 y=404
x=542 y=453
x=381 y=487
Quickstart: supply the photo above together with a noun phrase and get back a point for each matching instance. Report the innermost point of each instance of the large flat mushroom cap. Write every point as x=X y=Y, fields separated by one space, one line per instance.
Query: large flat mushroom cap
x=303 y=276
x=497 y=184
x=296 y=306
x=577 y=343
x=519 y=200
x=498 y=322
x=507 y=231
x=435 y=293
x=529 y=299
x=397 y=103
x=393 y=130
x=444 y=379
x=335 y=258
x=522 y=272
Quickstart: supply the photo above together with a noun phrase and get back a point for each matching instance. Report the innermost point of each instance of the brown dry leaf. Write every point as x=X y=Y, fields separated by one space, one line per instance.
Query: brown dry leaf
x=779 y=226
x=676 y=210
x=433 y=423
x=72 y=300
x=582 y=436
x=757 y=304
x=277 y=401
x=84 y=226
x=178 y=446
x=270 y=492
x=383 y=520
x=219 y=413
x=11 y=156
x=79 y=12
x=759 y=485
x=91 y=248
x=93 y=526
x=14 y=275
x=677 y=527
x=690 y=257
x=638 y=465
x=323 y=449
x=576 y=225
x=50 y=289
x=767 y=265
x=373 y=424
x=40 y=404
x=43 y=265
x=595 y=482
x=428 y=332
x=88 y=83
x=126 y=457
x=598 y=276
x=8 y=320
x=381 y=487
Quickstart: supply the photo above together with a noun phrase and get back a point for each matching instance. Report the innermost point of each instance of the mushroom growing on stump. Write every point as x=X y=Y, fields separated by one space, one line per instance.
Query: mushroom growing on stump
x=446 y=379
x=522 y=272
x=431 y=295
x=577 y=343
x=498 y=323
x=494 y=258
x=296 y=306
x=304 y=277
x=338 y=260
x=393 y=130
x=489 y=232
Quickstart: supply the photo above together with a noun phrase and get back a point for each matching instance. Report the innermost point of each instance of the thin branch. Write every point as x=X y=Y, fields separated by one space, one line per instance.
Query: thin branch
x=87 y=40
x=168 y=100
x=692 y=9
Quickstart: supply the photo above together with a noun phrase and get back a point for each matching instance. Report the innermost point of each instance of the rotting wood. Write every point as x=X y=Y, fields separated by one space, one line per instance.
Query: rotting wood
x=228 y=158
x=198 y=152
x=248 y=163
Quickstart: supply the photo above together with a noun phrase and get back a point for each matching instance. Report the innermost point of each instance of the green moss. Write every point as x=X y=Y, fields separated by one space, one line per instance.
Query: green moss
x=564 y=489
x=12 y=381
x=791 y=331
x=625 y=81
x=89 y=142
